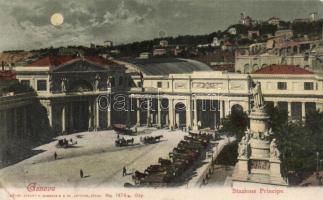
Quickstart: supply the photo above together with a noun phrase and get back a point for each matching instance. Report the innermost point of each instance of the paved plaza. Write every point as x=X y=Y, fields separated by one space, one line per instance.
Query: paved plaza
x=96 y=154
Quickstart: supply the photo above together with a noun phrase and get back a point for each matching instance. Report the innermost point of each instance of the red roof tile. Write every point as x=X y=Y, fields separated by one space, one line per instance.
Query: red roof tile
x=282 y=69
x=53 y=61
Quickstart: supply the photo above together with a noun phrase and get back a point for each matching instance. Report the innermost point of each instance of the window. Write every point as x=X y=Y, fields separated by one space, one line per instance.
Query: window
x=41 y=85
x=308 y=86
x=25 y=82
x=159 y=84
x=281 y=85
x=120 y=80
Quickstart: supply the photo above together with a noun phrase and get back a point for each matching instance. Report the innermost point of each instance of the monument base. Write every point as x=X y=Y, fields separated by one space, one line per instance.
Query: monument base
x=241 y=172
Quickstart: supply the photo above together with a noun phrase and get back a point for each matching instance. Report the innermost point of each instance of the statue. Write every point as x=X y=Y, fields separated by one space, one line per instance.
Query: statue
x=257 y=96
x=63 y=85
x=243 y=147
x=268 y=133
x=96 y=83
x=274 y=152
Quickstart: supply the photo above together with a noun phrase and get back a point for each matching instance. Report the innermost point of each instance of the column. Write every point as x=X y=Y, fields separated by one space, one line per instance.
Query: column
x=303 y=111
x=289 y=108
x=189 y=114
x=215 y=119
x=129 y=111
x=90 y=115
x=63 y=119
x=171 y=113
x=159 y=112
x=166 y=119
x=138 y=112
x=221 y=110
x=109 y=115
x=50 y=114
x=148 y=113
x=227 y=109
x=319 y=106
x=195 y=126
x=97 y=115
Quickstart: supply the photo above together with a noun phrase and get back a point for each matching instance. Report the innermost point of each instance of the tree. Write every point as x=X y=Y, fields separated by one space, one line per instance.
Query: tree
x=235 y=124
x=298 y=142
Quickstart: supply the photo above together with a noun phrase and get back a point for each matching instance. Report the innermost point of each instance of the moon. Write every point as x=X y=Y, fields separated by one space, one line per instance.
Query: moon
x=57 y=19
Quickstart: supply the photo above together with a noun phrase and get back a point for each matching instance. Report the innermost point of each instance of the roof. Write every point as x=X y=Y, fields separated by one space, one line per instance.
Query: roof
x=274 y=18
x=7 y=75
x=57 y=60
x=14 y=57
x=282 y=69
x=166 y=66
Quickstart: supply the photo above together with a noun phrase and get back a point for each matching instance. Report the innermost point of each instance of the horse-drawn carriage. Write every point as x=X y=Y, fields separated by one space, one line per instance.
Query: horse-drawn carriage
x=181 y=159
x=151 y=139
x=63 y=143
x=123 y=142
x=206 y=136
x=123 y=129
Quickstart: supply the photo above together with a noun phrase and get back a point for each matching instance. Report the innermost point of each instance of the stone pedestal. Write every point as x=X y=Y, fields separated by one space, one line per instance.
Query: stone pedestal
x=241 y=170
x=257 y=165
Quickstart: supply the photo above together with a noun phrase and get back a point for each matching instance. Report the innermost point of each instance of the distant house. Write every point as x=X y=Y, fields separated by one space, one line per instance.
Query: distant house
x=163 y=43
x=314 y=16
x=301 y=20
x=245 y=20
x=286 y=34
x=108 y=43
x=216 y=42
x=274 y=21
x=159 y=52
x=253 y=34
x=232 y=31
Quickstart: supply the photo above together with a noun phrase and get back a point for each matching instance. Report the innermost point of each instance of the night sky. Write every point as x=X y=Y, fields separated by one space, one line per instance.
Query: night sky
x=25 y=24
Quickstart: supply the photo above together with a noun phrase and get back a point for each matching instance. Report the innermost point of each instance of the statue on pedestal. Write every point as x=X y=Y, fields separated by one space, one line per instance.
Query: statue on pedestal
x=243 y=147
x=274 y=152
x=257 y=96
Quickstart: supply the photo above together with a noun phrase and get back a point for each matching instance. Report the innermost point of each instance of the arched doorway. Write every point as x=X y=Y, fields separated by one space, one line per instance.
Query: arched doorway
x=180 y=115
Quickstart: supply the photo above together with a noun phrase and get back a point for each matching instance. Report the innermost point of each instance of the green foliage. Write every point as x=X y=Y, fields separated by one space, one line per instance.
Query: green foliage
x=228 y=155
x=309 y=28
x=297 y=142
x=17 y=87
x=235 y=124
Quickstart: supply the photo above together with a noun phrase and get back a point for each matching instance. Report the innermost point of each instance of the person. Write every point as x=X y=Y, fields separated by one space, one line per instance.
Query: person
x=124 y=171
x=81 y=173
x=55 y=155
x=118 y=136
